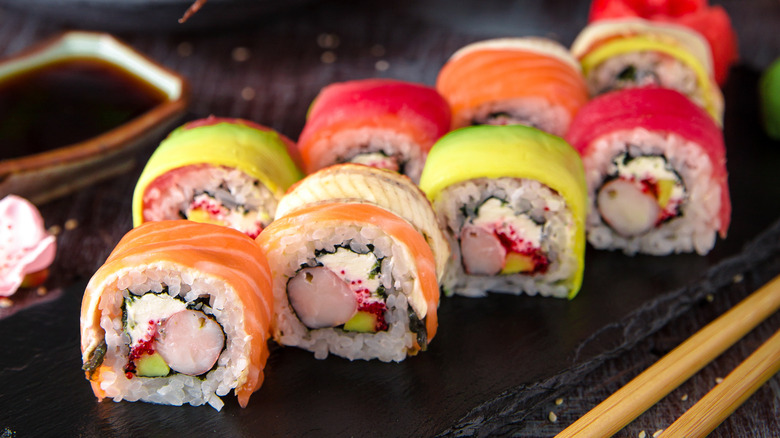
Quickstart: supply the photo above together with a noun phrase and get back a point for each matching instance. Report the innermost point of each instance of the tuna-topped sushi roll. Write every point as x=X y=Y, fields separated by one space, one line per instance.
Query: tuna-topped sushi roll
x=384 y=123
x=512 y=200
x=179 y=313
x=229 y=172
x=354 y=252
x=627 y=53
x=656 y=172
x=529 y=81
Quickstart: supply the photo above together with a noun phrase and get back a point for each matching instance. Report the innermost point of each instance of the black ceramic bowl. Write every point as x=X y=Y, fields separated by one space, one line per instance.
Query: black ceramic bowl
x=150 y=15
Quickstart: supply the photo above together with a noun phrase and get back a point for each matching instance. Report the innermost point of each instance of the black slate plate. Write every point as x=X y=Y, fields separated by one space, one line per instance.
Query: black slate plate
x=492 y=360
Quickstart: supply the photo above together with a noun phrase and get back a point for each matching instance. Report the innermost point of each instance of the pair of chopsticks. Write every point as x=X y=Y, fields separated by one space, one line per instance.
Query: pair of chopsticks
x=687 y=359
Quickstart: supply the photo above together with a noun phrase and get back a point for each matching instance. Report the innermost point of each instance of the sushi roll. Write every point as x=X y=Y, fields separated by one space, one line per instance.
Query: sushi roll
x=384 y=123
x=626 y=53
x=512 y=201
x=350 y=182
x=711 y=21
x=351 y=279
x=230 y=172
x=656 y=171
x=179 y=313
x=529 y=81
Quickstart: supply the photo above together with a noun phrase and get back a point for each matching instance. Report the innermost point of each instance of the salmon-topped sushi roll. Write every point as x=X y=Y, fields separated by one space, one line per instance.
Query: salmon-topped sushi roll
x=179 y=313
x=353 y=279
x=229 y=172
x=383 y=123
x=656 y=172
x=627 y=53
x=530 y=81
x=512 y=200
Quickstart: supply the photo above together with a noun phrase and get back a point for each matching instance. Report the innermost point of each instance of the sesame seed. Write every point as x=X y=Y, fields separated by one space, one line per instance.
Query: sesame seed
x=382 y=65
x=240 y=54
x=684 y=397
x=328 y=40
x=719 y=380
x=41 y=291
x=184 y=49
x=247 y=93
x=377 y=50
x=558 y=401
x=710 y=298
x=328 y=57
x=55 y=230
x=71 y=224
x=552 y=417
x=738 y=278
x=642 y=434
x=658 y=433
x=5 y=302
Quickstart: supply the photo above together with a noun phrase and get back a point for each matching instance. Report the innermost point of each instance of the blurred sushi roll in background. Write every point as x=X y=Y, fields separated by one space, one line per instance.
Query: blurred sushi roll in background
x=385 y=123
x=712 y=22
x=179 y=313
x=656 y=172
x=529 y=81
x=626 y=53
x=230 y=172
x=512 y=201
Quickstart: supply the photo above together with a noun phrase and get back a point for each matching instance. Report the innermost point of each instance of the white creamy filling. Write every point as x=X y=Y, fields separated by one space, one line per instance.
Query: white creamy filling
x=355 y=269
x=500 y=216
x=647 y=167
x=149 y=307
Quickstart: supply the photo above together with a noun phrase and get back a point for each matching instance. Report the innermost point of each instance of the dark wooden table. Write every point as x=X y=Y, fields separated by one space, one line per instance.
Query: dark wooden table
x=268 y=69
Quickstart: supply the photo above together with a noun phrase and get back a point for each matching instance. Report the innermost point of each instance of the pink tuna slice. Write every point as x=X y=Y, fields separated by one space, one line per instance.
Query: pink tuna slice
x=190 y=342
x=25 y=246
x=482 y=251
x=321 y=298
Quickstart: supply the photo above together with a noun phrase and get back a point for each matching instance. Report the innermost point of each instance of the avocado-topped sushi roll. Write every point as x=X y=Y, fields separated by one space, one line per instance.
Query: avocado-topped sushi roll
x=351 y=279
x=656 y=172
x=512 y=200
x=384 y=123
x=627 y=53
x=529 y=81
x=179 y=313
x=230 y=172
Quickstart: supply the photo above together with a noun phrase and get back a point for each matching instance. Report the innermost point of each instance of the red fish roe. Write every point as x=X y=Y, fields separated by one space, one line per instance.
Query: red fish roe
x=513 y=243
x=376 y=308
x=144 y=347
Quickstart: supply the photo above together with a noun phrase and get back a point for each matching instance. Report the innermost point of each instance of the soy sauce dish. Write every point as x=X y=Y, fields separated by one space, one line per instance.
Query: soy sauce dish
x=76 y=108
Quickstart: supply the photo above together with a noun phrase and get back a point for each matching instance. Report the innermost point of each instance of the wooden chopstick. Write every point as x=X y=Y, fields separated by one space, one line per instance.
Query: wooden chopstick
x=728 y=395
x=677 y=366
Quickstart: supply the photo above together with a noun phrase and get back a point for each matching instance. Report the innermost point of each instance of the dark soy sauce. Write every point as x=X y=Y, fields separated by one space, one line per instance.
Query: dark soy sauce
x=68 y=102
